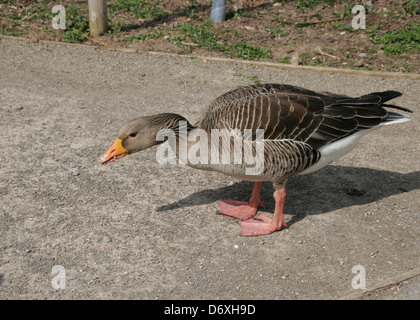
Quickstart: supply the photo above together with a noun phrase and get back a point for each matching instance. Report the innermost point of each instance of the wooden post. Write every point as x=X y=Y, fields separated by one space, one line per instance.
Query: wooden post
x=98 y=21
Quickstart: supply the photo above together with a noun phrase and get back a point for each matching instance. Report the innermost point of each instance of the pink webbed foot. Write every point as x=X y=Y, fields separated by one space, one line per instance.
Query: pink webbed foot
x=243 y=210
x=259 y=225
x=238 y=209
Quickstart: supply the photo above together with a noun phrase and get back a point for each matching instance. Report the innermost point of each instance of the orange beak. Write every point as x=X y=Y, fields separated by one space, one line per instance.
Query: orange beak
x=115 y=152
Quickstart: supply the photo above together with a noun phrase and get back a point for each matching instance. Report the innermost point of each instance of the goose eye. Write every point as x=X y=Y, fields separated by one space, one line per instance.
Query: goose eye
x=132 y=135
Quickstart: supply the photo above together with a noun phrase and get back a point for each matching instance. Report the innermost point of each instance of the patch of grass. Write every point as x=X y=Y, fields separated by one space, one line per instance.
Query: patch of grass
x=283 y=21
x=144 y=36
x=205 y=35
x=278 y=30
x=412 y=7
x=190 y=12
x=302 y=4
x=140 y=9
x=404 y=67
x=318 y=62
x=8 y=31
x=43 y=12
x=77 y=23
x=40 y=13
x=246 y=51
x=348 y=54
x=210 y=37
x=343 y=26
x=305 y=56
x=234 y=14
x=368 y=68
x=398 y=41
x=285 y=60
x=255 y=79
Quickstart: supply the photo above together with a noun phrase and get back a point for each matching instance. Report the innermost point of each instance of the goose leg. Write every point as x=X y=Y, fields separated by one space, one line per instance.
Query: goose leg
x=240 y=209
x=261 y=224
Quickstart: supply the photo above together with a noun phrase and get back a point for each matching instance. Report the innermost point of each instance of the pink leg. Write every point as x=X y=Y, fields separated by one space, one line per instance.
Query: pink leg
x=261 y=224
x=243 y=210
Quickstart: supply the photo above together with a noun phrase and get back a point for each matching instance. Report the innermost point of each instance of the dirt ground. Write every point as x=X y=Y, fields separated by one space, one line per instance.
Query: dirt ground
x=135 y=229
x=321 y=35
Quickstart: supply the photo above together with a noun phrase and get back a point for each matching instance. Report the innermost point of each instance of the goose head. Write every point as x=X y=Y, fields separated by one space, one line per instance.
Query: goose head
x=136 y=135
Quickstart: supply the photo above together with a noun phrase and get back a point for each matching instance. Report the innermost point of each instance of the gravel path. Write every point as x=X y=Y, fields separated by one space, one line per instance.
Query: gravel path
x=138 y=230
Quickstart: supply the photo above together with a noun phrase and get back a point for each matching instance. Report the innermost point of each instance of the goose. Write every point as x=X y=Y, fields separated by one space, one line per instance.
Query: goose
x=301 y=131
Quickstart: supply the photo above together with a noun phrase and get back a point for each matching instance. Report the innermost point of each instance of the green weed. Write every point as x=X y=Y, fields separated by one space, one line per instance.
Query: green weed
x=318 y=62
x=412 y=7
x=234 y=14
x=205 y=35
x=302 y=4
x=398 y=41
x=152 y=35
x=77 y=23
x=140 y=9
x=246 y=51
x=278 y=30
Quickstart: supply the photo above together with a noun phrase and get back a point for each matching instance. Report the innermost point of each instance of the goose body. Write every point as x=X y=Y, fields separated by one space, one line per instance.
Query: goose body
x=301 y=131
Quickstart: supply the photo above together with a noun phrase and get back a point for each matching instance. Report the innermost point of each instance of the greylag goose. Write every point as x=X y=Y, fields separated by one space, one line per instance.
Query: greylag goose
x=301 y=131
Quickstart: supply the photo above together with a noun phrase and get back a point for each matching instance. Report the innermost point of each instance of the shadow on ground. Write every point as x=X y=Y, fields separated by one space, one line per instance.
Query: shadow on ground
x=329 y=189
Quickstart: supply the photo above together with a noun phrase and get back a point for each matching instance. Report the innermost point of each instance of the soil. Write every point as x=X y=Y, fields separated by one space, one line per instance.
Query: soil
x=310 y=35
x=136 y=229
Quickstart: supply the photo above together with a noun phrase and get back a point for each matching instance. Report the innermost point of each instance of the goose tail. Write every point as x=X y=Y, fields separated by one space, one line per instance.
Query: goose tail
x=392 y=117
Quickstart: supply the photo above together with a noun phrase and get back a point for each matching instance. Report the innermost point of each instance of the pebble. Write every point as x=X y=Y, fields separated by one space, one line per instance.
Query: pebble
x=295 y=59
x=76 y=146
x=359 y=63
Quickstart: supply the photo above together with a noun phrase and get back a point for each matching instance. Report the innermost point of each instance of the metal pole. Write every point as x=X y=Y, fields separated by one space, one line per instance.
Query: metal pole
x=218 y=11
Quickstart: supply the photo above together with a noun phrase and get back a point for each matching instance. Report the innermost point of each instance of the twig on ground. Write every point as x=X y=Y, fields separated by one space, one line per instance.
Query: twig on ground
x=99 y=42
x=326 y=54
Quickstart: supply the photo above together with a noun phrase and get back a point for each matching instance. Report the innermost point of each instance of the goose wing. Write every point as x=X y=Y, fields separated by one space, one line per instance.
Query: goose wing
x=290 y=112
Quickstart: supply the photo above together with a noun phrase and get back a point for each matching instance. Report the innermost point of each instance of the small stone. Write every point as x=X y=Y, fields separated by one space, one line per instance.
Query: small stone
x=359 y=63
x=76 y=146
x=294 y=60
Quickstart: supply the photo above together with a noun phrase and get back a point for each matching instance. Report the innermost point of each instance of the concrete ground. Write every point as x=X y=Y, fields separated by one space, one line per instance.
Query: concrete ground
x=136 y=229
